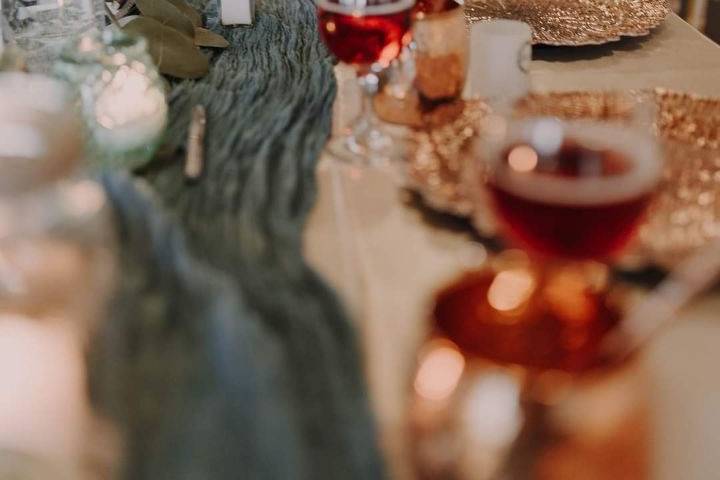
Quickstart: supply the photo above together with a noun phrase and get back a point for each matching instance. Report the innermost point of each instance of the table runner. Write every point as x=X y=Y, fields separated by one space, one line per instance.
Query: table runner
x=269 y=384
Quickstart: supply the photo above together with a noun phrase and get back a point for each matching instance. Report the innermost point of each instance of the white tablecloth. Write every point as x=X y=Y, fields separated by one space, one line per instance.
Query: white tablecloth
x=385 y=260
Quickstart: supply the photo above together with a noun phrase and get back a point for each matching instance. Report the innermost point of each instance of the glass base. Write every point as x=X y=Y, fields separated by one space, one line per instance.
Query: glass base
x=372 y=148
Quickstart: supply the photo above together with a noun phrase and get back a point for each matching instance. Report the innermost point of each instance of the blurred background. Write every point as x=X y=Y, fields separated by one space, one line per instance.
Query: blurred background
x=702 y=14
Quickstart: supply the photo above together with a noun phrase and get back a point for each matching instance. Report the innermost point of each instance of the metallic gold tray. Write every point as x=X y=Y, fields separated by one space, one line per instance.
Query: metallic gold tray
x=686 y=212
x=575 y=22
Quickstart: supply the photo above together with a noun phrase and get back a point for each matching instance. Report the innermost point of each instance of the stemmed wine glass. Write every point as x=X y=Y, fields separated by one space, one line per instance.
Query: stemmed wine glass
x=571 y=195
x=515 y=381
x=570 y=190
x=368 y=35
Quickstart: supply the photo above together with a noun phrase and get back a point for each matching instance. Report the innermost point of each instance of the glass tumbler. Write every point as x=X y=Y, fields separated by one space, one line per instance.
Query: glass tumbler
x=56 y=272
x=488 y=421
x=503 y=391
x=441 y=53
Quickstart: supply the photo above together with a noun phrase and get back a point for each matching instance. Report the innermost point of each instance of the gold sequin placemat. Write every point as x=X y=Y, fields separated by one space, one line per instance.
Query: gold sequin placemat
x=575 y=22
x=686 y=212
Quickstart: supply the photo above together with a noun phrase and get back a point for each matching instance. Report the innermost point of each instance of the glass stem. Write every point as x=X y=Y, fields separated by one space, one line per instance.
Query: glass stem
x=366 y=139
x=369 y=84
x=403 y=73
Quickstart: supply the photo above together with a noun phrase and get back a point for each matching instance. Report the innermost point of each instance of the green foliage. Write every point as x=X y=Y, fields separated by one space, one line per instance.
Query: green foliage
x=167 y=14
x=174 y=52
x=206 y=38
x=174 y=33
x=192 y=14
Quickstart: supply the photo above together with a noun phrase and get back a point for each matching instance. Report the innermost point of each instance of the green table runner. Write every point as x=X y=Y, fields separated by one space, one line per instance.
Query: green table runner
x=269 y=385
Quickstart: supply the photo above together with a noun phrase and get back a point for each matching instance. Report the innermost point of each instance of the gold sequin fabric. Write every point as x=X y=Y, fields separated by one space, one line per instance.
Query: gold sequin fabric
x=685 y=214
x=575 y=22
x=437 y=156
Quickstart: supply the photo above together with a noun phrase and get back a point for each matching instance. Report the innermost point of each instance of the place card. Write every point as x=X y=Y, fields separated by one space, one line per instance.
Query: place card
x=237 y=12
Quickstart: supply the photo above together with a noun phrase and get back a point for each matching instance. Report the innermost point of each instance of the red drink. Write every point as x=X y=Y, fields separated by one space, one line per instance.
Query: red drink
x=549 y=327
x=374 y=33
x=434 y=6
x=576 y=200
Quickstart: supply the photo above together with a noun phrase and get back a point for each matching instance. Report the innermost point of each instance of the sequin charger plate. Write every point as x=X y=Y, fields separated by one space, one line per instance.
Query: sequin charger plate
x=686 y=212
x=575 y=22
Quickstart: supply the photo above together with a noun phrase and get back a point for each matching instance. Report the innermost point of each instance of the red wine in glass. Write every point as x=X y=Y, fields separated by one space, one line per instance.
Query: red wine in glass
x=365 y=33
x=368 y=35
x=434 y=6
x=576 y=194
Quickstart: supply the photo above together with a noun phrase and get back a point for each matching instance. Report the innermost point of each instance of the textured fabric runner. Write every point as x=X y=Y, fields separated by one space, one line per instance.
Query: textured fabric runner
x=253 y=371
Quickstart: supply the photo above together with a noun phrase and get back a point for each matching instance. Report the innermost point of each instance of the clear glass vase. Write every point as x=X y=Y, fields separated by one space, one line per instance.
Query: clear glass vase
x=121 y=94
x=56 y=273
x=41 y=27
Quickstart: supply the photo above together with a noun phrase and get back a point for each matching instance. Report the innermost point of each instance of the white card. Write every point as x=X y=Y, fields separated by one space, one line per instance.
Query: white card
x=237 y=12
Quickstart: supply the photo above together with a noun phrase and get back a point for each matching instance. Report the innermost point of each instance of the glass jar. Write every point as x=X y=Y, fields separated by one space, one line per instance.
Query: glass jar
x=56 y=271
x=10 y=58
x=41 y=27
x=441 y=51
x=121 y=94
x=428 y=79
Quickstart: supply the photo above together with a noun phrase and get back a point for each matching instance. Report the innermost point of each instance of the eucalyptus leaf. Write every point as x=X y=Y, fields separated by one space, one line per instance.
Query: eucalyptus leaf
x=206 y=38
x=167 y=14
x=192 y=14
x=125 y=20
x=174 y=53
x=125 y=8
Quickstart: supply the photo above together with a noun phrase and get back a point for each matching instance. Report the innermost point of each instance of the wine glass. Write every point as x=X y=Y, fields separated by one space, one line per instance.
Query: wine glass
x=571 y=195
x=515 y=381
x=368 y=35
x=570 y=190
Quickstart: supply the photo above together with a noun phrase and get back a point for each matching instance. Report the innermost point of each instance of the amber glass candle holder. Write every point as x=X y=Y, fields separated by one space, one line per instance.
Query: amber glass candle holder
x=512 y=382
x=441 y=52
x=436 y=62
